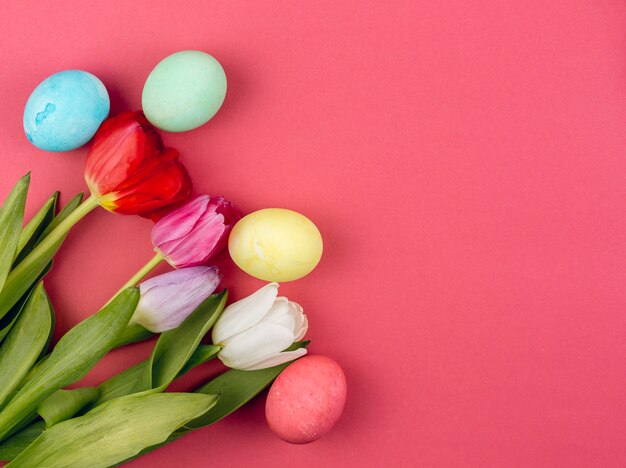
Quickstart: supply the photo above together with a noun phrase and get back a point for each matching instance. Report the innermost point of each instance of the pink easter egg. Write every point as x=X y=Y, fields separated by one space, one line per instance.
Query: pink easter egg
x=306 y=400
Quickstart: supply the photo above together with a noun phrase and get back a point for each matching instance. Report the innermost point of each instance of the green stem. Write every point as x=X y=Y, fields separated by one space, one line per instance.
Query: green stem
x=135 y=332
x=147 y=268
x=64 y=226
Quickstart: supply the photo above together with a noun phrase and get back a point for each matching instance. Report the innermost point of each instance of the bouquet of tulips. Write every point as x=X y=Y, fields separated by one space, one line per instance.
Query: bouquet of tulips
x=129 y=171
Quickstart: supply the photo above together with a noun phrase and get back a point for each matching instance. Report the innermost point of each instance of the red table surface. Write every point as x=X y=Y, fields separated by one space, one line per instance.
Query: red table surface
x=465 y=163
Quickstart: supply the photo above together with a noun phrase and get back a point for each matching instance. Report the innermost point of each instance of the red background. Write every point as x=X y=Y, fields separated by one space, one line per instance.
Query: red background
x=465 y=164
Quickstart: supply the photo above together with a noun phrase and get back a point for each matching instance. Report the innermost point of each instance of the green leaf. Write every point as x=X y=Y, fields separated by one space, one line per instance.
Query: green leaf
x=7 y=322
x=235 y=388
x=44 y=351
x=11 y=448
x=64 y=404
x=40 y=226
x=20 y=278
x=35 y=227
x=174 y=348
x=125 y=383
x=65 y=212
x=170 y=357
x=133 y=333
x=25 y=342
x=113 y=432
x=11 y=218
x=121 y=384
x=202 y=354
x=73 y=356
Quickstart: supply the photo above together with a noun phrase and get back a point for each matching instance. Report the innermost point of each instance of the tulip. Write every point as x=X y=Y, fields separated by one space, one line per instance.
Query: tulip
x=255 y=331
x=129 y=171
x=195 y=232
x=168 y=299
x=190 y=235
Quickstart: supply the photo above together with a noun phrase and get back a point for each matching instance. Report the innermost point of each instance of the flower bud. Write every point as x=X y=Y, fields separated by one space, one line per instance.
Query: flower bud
x=129 y=170
x=195 y=232
x=255 y=331
x=168 y=299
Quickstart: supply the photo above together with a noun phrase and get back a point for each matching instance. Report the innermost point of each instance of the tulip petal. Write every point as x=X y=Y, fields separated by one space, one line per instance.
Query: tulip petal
x=180 y=222
x=168 y=299
x=255 y=345
x=194 y=232
x=113 y=155
x=280 y=315
x=226 y=208
x=156 y=184
x=278 y=359
x=197 y=247
x=302 y=322
x=129 y=170
x=119 y=146
x=245 y=313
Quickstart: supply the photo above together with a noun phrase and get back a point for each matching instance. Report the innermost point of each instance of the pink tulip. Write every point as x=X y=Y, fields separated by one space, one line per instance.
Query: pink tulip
x=195 y=232
x=168 y=299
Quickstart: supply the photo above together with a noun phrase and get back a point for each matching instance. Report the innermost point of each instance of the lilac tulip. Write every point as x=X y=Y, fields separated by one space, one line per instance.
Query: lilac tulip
x=168 y=299
x=195 y=232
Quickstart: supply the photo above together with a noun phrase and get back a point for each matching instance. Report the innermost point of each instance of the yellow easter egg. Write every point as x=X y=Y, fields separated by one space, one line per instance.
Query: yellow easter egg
x=275 y=244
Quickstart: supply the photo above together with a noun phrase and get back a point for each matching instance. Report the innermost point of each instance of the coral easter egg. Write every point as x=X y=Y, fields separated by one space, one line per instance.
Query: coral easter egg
x=65 y=110
x=275 y=244
x=306 y=400
x=184 y=91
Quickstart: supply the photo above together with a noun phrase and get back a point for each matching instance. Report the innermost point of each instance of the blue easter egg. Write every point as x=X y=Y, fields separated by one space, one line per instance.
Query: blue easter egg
x=65 y=110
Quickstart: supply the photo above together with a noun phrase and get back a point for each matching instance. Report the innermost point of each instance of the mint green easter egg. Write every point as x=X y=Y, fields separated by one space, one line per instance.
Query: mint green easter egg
x=184 y=91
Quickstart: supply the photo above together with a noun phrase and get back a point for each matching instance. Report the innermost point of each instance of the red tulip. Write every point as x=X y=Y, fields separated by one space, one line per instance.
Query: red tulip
x=129 y=170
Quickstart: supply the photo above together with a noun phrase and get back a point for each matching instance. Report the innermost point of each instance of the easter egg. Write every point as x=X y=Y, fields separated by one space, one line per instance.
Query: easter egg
x=184 y=91
x=65 y=110
x=306 y=400
x=275 y=244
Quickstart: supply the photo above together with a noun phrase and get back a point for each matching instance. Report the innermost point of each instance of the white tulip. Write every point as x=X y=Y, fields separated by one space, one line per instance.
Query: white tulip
x=254 y=331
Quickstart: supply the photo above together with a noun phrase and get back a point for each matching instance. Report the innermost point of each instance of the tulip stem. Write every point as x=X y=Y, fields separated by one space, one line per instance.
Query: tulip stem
x=64 y=226
x=147 y=268
x=75 y=216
